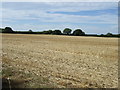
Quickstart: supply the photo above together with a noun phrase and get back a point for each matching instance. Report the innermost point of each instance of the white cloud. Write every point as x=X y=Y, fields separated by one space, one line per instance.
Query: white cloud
x=42 y=16
x=74 y=7
x=61 y=6
x=11 y=16
x=59 y=0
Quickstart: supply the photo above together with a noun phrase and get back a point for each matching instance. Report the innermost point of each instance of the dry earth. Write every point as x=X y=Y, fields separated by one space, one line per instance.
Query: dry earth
x=61 y=61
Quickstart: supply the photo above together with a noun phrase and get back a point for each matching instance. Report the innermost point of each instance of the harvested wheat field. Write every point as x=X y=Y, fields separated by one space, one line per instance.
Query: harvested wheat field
x=56 y=61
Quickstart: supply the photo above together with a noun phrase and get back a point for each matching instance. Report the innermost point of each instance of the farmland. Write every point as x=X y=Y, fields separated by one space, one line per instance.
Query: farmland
x=60 y=61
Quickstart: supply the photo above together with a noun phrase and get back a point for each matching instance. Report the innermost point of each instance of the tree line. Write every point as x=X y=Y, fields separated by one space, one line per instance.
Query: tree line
x=66 y=31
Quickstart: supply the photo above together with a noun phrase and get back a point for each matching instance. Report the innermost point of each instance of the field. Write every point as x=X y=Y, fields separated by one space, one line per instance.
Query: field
x=56 y=61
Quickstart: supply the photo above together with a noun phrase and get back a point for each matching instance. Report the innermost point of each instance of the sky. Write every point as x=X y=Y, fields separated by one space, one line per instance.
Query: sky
x=91 y=17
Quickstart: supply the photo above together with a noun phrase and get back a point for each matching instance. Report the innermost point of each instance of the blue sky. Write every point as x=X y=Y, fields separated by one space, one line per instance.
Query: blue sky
x=91 y=17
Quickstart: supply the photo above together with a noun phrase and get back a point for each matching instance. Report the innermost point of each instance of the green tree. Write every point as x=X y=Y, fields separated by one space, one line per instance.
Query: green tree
x=57 y=32
x=78 y=32
x=8 y=30
x=67 y=31
x=1 y=30
x=109 y=34
x=47 y=32
x=50 y=31
x=102 y=35
x=30 y=31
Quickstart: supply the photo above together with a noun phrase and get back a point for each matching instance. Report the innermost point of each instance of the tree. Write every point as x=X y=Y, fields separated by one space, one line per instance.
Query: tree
x=57 y=32
x=109 y=34
x=47 y=32
x=102 y=35
x=78 y=32
x=50 y=31
x=30 y=31
x=67 y=31
x=8 y=30
x=1 y=30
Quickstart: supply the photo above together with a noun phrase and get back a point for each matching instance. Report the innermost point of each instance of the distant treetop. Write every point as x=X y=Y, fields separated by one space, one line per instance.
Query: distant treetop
x=67 y=31
x=8 y=30
x=78 y=32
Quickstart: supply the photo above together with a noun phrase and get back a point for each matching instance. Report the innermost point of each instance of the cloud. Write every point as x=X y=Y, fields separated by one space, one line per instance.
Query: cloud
x=59 y=0
x=43 y=16
x=36 y=16
x=60 y=6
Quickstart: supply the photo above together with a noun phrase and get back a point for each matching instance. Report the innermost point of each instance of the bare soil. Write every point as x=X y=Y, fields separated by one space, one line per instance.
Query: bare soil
x=60 y=61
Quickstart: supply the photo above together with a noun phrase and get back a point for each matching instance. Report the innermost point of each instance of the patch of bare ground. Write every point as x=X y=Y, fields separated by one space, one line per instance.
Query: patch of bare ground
x=61 y=61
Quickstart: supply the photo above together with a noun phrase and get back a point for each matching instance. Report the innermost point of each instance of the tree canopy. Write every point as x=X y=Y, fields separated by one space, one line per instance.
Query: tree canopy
x=8 y=30
x=109 y=34
x=47 y=32
x=78 y=32
x=57 y=32
x=67 y=31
